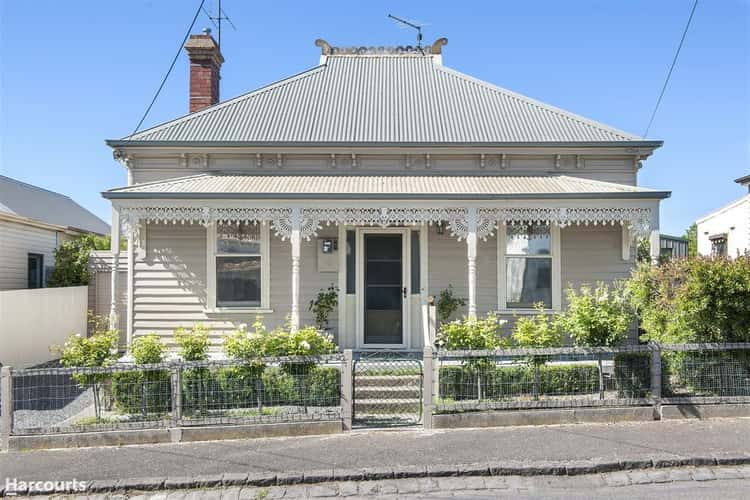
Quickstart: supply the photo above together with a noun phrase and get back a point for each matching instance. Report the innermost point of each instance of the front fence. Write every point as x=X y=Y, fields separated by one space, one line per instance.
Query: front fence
x=571 y=377
x=368 y=388
x=122 y=397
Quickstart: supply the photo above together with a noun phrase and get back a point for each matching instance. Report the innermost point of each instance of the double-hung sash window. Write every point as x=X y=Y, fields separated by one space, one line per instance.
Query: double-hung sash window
x=238 y=266
x=528 y=267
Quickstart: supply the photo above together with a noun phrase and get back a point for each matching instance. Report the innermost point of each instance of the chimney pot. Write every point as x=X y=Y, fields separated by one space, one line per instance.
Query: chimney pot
x=205 y=65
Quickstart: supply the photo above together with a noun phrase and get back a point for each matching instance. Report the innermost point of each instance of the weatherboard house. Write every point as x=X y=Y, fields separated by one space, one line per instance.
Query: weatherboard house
x=381 y=172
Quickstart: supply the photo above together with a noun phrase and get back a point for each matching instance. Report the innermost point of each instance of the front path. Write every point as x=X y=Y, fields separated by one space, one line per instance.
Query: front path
x=387 y=449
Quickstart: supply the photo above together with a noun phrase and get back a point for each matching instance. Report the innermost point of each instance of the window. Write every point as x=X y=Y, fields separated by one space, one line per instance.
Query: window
x=719 y=245
x=239 y=266
x=35 y=270
x=528 y=267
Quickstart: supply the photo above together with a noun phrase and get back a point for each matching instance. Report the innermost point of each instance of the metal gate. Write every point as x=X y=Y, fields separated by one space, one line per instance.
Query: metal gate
x=387 y=388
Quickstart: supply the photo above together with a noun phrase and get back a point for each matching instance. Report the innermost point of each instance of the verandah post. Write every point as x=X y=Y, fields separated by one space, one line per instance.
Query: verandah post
x=296 y=241
x=114 y=275
x=471 y=246
x=347 y=390
x=6 y=420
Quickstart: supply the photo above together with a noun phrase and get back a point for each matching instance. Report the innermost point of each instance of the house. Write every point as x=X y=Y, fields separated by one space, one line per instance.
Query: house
x=726 y=231
x=380 y=171
x=33 y=223
x=673 y=247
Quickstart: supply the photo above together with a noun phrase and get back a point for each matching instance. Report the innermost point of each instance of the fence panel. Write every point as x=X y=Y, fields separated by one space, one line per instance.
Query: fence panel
x=705 y=373
x=542 y=378
x=120 y=397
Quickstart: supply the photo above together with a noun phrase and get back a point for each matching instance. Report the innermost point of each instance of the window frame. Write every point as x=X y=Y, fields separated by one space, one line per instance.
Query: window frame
x=556 y=285
x=39 y=258
x=212 y=254
x=724 y=238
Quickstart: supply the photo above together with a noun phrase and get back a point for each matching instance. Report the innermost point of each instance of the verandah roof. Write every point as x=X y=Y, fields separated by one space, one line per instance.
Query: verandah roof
x=237 y=186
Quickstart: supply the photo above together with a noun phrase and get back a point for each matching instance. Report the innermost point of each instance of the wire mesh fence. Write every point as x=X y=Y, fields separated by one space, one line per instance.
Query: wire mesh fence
x=542 y=378
x=705 y=373
x=387 y=388
x=121 y=397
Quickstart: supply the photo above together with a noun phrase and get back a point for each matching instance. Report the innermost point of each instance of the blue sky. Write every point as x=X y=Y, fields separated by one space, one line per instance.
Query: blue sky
x=76 y=73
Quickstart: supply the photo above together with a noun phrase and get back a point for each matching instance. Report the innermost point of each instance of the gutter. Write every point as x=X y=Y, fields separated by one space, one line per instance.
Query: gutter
x=117 y=143
x=118 y=195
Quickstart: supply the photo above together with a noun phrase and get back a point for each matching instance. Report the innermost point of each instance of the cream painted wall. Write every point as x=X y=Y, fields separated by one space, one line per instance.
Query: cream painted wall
x=31 y=321
x=732 y=220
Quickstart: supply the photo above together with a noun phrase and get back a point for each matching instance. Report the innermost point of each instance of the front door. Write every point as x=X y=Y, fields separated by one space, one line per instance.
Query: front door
x=383 y=314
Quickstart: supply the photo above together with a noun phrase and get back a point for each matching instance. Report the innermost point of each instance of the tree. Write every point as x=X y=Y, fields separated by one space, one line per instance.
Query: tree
x=72 y=260
x=691 y=234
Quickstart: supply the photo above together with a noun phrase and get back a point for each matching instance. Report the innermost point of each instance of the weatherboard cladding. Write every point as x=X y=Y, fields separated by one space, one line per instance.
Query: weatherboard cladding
x=382 y=99
x=282 y=186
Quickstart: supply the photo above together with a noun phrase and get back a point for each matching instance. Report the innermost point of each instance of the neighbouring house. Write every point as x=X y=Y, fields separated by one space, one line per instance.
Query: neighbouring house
x=380 y=171
x=33 y=222
x=673 y=247
x=726 y=231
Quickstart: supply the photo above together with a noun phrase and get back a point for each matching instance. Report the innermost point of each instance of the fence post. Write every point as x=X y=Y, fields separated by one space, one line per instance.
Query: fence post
x=656 y=379
x=347 y=390
x=176 y=376
x=6 y=393
x=427 y=386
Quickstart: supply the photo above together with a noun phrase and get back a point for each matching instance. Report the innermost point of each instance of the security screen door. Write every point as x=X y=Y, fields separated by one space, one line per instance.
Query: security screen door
x=384 y=289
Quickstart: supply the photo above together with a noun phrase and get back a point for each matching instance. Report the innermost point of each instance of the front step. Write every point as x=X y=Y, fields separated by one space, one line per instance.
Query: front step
x=387 y=392
x=387 y=380
x=390 y=405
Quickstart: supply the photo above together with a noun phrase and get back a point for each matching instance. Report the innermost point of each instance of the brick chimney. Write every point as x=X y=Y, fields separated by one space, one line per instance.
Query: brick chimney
x=205 y=64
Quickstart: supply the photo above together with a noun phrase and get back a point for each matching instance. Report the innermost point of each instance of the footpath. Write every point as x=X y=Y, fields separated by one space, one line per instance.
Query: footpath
x=376 y=455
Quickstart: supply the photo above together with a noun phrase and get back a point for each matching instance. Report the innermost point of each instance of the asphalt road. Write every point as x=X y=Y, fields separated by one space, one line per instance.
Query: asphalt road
x=387 y=448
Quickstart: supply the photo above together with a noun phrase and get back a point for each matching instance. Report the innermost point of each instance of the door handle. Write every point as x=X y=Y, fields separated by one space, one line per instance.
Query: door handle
x=404 y=290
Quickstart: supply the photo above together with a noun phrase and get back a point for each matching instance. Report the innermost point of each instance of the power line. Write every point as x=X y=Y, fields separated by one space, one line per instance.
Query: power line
x=669 y=74
x=171 y=66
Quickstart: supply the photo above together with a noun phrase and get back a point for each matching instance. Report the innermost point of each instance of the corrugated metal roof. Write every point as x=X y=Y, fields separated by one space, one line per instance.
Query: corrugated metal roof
x=383 y=99
x=365 y=186
x=32 y=202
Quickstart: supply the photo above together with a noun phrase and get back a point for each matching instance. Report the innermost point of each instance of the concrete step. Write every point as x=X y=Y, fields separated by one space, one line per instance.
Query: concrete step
x=387 y=392
x=387 y=380
x=391 y=405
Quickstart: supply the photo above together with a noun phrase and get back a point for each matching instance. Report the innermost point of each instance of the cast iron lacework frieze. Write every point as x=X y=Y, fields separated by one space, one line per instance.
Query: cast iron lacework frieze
x=309 y=220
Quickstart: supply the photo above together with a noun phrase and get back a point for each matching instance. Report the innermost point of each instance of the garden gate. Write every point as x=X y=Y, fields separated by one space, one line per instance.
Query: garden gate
x=387 y=388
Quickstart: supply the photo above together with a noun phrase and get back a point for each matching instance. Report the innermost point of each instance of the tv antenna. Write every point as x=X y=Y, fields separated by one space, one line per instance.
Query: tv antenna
x=411 y=25
x=216 y=20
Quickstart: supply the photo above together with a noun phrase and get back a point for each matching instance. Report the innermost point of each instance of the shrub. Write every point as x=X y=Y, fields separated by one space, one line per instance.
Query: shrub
x=323 y=304
x=100 y=349
x=693 y=300
x=448 y=304
x=72 y=260
x=499 y=382
x=472 y=334
x=597 y=316
x=193 y=343
x=144 y=391
x=633 y=375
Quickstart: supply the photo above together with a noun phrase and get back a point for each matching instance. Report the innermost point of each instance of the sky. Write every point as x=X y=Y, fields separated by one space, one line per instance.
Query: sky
x=73 y=74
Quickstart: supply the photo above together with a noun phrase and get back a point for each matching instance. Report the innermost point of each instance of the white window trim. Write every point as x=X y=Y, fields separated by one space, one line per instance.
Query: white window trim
x=502 y=305
x=265 y=274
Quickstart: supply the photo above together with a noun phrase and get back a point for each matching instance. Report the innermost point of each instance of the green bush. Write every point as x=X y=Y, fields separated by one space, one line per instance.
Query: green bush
x=598 y=316
x=693 y=300
x=143 y=391
x=193 y=343
x=633 y=375
x=72 y=260
x=707 y=373
x=472 y=334
x=461 y=382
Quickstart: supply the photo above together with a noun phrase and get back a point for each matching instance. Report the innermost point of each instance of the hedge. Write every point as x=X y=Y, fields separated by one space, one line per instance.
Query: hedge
x=707 y=373
x=226 y=388
x=462 y=382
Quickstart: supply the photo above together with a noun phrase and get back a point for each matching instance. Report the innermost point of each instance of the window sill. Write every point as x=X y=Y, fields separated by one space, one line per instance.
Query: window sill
x=239 y=310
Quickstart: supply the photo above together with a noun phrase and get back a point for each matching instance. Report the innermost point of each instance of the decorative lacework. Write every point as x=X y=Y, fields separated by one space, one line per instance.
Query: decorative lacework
x=282 y=220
